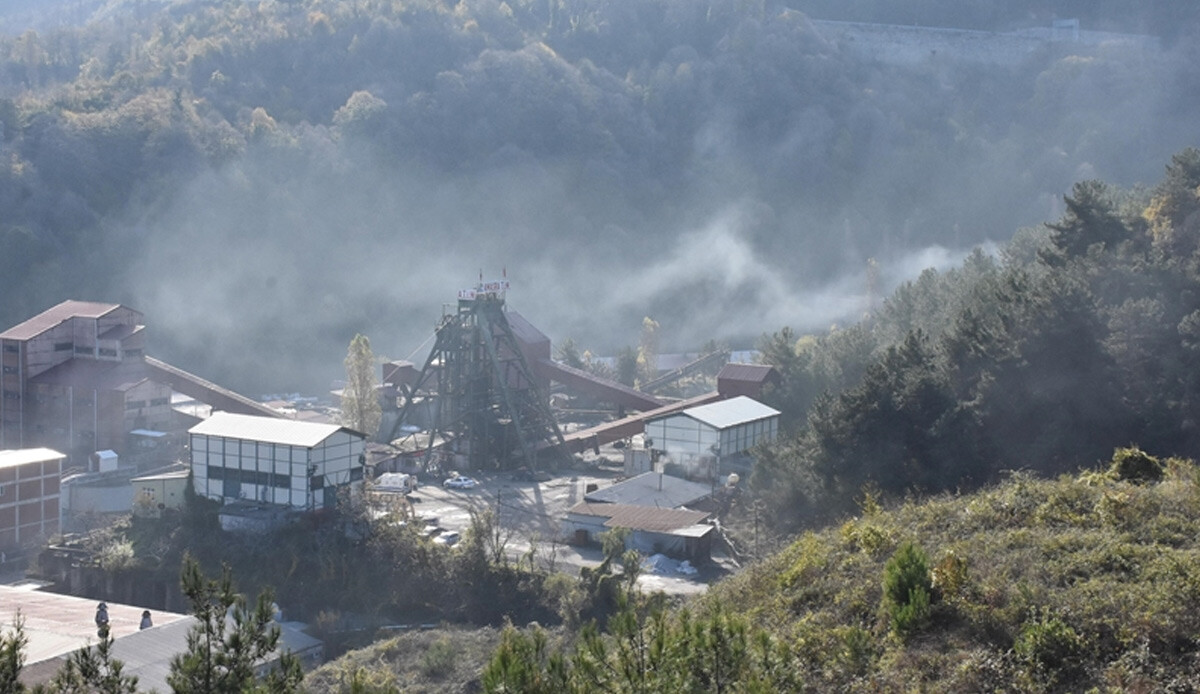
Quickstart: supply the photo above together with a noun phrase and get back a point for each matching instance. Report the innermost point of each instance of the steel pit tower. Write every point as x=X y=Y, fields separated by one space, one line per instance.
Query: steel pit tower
x=486 y=402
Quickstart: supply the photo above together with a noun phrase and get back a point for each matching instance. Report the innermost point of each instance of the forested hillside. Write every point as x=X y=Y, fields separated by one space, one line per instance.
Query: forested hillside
x=287 y=174
x=1078 y=338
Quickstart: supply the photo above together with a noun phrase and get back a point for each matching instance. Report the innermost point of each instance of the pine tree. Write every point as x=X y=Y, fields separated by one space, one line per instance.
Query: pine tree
x=229 y=641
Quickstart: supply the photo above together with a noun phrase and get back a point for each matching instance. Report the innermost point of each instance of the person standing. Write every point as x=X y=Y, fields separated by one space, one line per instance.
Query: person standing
x=102 y=620
x=146 y=621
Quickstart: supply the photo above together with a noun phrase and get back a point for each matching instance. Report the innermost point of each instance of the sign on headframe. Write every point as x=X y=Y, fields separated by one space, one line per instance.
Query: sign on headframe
x=484 y=290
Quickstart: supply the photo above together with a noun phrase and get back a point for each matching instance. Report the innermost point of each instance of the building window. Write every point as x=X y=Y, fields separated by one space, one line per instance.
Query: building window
x=11 y=370
x=63 y=346
x=12 y=395
x=156 y=402
x=135 y=404
x=133 y=353
x=83 y=349
x=105 y=352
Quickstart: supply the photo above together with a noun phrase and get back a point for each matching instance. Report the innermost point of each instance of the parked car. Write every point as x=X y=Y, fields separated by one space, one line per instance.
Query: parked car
x=448 y=538
x=459 y=482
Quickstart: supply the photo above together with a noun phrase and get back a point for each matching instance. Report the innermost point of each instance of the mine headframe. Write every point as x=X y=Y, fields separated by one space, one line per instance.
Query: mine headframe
x=485 y=401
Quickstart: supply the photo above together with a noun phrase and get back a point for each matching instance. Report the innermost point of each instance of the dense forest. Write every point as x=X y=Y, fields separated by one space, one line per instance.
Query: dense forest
x=1078 y=338
x=288 y=174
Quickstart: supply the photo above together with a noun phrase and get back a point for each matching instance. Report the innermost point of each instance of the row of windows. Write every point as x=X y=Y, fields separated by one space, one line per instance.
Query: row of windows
x=12 y=349
x=265 y=479
x=269 y=479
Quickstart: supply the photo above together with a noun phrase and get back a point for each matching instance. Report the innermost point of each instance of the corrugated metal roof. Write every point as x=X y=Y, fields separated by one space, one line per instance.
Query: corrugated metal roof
x=120 y=332
x=24 y=456
x=653 y=489
x=727 y=413
x=173 y=475
x=53 y=316
x=58 y=624
x=663 y=520
x=249 y=427
x=91 y=373
x=523 y=330
x=752 y=373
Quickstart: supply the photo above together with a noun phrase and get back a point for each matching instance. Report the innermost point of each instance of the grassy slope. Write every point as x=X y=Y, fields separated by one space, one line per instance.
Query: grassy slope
x=1117 y=563
x=1073 y=584
x=440 y=660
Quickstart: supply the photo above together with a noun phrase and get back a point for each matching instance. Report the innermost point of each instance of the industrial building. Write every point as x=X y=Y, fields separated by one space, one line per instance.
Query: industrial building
x=29 y=497
x=698 y=437
x=678 y=533
x=76 y=378
x=653 y=489
x=156 y=493
x=279 y=462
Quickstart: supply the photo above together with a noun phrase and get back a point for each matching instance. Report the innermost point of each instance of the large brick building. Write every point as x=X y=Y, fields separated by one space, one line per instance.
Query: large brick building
x=76 y=378
x=73 y=378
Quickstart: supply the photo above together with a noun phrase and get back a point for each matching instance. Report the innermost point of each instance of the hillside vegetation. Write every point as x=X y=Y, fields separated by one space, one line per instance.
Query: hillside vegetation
x=1076 y=338
x=1087 y=582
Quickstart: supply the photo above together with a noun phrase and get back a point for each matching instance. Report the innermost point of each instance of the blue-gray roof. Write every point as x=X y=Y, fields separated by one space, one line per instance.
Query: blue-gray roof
x=723 y=414
x=652 y=489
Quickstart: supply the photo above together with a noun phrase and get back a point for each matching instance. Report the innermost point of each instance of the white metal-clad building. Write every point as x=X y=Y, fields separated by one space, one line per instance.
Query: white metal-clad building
x=283 y=462
x=725 y=427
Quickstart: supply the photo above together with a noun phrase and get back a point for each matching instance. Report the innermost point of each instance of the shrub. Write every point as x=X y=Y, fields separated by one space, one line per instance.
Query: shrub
x=907 y=584
x=1048 y=643
x=438 y=661
x=1134 y=465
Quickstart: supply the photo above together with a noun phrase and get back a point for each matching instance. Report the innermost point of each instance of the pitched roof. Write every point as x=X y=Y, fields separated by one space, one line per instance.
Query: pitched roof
x=53 y=316
x=752 y=373
x=250 y=427
x=727 y=413
x=91 y=373
x=653 y=489
x=648 y=518
x=525 y=331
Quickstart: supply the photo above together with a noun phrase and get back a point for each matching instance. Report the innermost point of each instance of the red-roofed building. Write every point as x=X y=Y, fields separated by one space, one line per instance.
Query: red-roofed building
x=679 y=533
x=745 y=379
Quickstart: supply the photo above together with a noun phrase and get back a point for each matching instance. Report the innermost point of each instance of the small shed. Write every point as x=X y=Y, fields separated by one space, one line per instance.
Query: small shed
x=105 y=461
x=155 y=493
x=677 y=533
x=746 y=379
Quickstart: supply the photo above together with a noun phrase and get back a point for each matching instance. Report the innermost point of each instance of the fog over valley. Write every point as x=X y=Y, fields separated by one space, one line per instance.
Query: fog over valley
x=264 y=179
